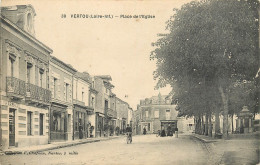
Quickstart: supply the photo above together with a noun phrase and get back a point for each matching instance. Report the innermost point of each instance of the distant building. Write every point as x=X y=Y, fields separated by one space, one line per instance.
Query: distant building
x=157 y=113
x=122 y=108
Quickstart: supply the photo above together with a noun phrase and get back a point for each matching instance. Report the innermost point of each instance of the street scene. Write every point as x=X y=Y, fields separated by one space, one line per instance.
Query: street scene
x=147 y=149
x=130 y=82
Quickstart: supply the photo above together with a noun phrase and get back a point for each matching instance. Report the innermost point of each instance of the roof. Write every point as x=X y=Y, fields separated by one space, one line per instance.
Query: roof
x=67 y=66
x=84 y=76
x=14 y=22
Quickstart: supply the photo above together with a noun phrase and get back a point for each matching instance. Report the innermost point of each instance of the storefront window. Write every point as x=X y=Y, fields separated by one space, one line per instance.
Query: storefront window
x=58 y=121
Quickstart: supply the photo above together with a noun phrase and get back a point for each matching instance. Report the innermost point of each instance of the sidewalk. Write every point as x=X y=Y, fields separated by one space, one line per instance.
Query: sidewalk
x=52 y=146
x=237 y=150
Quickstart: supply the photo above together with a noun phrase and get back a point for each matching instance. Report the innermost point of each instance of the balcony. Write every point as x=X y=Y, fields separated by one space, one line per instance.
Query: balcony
x=36 y=94
x=15 y=88
x=111 y=113
x=18 y=89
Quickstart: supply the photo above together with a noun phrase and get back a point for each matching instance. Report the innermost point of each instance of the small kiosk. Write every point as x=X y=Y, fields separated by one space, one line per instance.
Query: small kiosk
x=244 y=121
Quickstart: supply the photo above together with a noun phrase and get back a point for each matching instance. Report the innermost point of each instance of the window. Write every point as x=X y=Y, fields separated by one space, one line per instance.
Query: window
x=12 y=67
x=156 y=114
x=168 y=114
x=149 y=127
x=92 y=101
x=41 y=124
x=28 y=74
x=29 y=123
x=93 y=84
x=29 y=21
x=66 y=91
x=55 y=87
x=82 y=96
x=41 y=78
x=146 y=114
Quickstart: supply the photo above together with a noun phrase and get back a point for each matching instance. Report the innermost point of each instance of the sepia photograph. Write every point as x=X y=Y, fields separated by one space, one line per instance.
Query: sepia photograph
x=129 y=82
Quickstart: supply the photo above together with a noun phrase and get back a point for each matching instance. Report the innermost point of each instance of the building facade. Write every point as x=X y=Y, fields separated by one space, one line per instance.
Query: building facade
x=104 y=109
x=157 y=113
x=82 y=112
x=61 y=82
x=122 y=108
x=25 y=95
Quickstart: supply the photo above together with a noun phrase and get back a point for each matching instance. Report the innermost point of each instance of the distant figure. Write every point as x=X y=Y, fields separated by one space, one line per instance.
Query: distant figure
x=144 y=131
x=163 y=134
x=176 y=132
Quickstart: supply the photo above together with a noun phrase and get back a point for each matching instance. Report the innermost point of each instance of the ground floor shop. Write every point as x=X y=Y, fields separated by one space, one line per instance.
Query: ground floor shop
x=169 y=126
x=23 y=124
x=81 y=122
x=60 y=123
x=100 y=121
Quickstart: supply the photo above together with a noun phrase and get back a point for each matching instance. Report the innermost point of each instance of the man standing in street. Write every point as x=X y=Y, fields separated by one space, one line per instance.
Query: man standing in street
x=176 y=132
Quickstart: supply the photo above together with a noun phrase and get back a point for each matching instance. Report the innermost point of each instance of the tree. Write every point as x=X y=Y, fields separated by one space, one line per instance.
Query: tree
x=210 y=43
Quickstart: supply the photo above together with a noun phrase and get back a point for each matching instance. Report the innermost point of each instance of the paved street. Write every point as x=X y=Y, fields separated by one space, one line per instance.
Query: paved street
x=147 y=149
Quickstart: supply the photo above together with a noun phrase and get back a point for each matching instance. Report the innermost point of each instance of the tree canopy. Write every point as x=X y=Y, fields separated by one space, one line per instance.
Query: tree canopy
x=210 y=45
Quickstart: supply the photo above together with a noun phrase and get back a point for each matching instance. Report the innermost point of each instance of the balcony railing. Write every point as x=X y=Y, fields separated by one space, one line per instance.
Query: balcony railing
x=111 y=113
x=19 y=89
x=15 y=87
x=36 y=93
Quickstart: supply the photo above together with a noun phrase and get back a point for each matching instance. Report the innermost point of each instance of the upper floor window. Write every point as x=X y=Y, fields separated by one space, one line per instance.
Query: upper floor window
x=168 y=114
x=29 y=21
x=82 y=96
x=12 y=66
x=93 y=84
x=156 y=114
x=66 y=91
x=55 y=80
x=146 y=114
x=29 y=73
x=93 y=101
x=41 y=78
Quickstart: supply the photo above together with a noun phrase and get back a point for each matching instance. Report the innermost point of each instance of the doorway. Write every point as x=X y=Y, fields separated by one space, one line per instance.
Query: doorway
x=11 y=127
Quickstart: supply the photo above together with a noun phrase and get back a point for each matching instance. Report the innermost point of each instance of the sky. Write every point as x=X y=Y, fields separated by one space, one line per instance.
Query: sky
x=119 y=47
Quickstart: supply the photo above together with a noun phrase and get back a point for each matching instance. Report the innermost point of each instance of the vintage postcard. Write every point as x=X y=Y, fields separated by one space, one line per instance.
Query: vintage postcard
x=129 y=82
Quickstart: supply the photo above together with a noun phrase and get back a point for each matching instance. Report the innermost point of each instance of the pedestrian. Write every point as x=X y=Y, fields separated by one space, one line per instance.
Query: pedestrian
x=176 y=132
x=144 y=131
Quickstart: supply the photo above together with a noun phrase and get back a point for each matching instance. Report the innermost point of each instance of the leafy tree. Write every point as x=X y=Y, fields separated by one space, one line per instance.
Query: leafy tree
x=210 y=43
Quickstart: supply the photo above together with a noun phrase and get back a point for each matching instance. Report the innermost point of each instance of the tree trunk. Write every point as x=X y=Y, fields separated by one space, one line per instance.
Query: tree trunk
x=207 y=124
x=232 y=123
x=225 y=112
x=210 y=126
x=217 y=123
x=202 y=125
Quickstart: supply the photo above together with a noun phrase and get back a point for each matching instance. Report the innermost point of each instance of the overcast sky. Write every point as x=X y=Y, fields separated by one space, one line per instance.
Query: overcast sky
x=116 y=47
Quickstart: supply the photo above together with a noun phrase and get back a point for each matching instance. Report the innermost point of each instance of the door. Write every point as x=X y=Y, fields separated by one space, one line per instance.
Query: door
x=11 y=127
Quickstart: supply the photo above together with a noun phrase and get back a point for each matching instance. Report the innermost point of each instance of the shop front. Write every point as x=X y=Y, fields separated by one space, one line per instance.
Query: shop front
x=58 y=122
x=80 y=121
x=168 y=126
x=100 y=120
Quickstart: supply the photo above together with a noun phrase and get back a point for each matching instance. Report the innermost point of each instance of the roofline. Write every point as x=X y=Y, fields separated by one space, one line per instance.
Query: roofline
x=30 y=37
x=64 y=64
